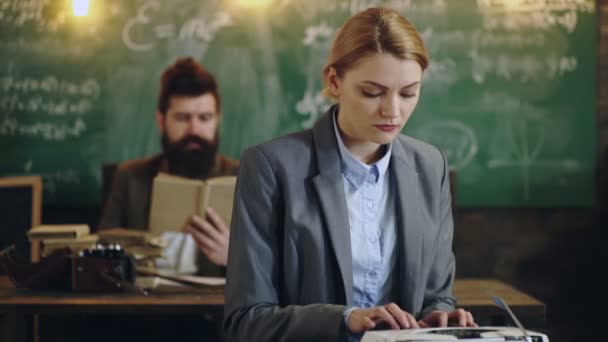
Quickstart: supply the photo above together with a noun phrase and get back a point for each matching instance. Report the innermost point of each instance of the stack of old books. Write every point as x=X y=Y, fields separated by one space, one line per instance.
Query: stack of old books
x=143 y=246
x=52 y=237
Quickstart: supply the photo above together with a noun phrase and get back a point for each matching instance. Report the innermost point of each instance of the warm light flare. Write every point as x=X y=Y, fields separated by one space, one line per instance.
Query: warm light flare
x=513 y=5
x=81 y=7
x=254 y=3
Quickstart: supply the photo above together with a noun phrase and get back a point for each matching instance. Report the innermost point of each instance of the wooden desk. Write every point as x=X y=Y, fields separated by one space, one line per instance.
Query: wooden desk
x=164 y=301
x=5 y=282
x=194 y=305
x=472 y=294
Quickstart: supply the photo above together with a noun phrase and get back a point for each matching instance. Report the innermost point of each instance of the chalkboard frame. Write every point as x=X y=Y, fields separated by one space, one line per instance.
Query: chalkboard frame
x=35 y=183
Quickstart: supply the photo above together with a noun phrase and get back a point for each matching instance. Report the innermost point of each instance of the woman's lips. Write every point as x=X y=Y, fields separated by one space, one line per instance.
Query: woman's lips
x=386 y=128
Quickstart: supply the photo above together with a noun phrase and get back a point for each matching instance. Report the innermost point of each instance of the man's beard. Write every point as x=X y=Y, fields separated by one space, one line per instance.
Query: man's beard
x=191 y=163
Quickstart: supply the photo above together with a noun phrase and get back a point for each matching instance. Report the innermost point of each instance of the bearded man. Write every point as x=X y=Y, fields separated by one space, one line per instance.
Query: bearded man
x=188 y=116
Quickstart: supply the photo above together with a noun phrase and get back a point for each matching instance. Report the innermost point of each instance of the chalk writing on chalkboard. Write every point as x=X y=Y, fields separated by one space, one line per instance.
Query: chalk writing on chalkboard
x=510 y=6
x=537 y=14
x=524 y=68
x=525 y=143
x=318 y=39
x=200 y=28
x=455 y=139
x=435 y=39
x=312 y=9
x=48 y=107
x=45 y=130
x=52 y=180
x=20 y=13
x=55 y=179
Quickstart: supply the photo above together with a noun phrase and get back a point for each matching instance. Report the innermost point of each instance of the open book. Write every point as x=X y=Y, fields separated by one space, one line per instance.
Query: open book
x=175 y=198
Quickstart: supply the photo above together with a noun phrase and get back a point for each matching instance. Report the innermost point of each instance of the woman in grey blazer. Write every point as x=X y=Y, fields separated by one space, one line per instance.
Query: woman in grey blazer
x=347 y=226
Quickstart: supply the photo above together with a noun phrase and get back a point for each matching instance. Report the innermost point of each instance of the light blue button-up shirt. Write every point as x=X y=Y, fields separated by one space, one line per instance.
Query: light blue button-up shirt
x=371 y=215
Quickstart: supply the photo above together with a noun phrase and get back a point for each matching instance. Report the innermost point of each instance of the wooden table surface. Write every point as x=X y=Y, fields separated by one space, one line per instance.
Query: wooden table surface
x=472 y=294
x=164 y=300
x=5 y=282
x=475 y=295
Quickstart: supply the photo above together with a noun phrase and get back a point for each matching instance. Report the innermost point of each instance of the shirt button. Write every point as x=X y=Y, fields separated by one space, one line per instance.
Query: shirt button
x=369 y=205
x=372 y=239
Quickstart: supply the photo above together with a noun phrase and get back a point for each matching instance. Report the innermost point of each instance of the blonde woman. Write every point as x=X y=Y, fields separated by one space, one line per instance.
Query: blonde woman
x=347 y=226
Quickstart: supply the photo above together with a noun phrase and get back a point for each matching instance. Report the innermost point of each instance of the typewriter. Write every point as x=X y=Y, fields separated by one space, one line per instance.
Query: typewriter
x=481 y=334
x=484 y=334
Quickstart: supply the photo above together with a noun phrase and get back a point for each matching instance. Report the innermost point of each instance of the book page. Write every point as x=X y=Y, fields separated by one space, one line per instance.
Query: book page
x=193 y=280
x=176 y=279
x=218 y=193
x=174 y=199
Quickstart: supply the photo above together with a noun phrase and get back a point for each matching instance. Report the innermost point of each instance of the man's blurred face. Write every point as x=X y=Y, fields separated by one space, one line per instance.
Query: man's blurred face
x=189 y=132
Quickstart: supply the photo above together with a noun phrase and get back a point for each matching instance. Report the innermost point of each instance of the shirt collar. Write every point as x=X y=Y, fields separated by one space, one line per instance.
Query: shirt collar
x=357 y=172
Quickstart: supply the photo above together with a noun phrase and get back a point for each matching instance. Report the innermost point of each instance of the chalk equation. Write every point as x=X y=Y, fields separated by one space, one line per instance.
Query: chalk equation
x=47 y=95
x=54 y=179
x=511 y=6
x=313 y=104
x=534 y=14
x=202 y=29
x=539 y=21
x=478 y=38
x=509 y=105
x=44 y=106
x=31 y=13
x=49 y=131
x=318 y=34
x=513 y=40
x=57 y=179
x=442 y=72
x=522 y=68
x=311 y=10
x=50 y=84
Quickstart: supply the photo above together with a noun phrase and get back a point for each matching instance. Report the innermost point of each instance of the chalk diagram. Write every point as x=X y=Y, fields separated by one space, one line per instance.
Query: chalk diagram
x=525 y=142
x=455 y=139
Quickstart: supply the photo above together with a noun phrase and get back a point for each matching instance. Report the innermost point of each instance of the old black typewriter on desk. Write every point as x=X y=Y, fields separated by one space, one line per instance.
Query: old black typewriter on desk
x=484 y=334
x=481 y=334
x=101 y=268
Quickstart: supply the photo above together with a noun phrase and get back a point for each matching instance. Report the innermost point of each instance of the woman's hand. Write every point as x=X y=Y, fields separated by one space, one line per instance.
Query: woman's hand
x=389 y=316
x=441 y=319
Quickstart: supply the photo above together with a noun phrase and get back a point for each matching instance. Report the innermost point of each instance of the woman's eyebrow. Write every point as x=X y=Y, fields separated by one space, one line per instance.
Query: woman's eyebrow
x=374 y=84
x=411 y=85
x=385 y=87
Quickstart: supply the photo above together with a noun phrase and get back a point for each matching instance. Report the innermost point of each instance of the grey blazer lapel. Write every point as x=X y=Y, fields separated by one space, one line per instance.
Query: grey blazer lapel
x=409 y=234
x=330 y=189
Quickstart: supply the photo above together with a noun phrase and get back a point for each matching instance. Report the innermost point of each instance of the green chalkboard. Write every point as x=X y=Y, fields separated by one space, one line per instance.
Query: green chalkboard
x=509 y=96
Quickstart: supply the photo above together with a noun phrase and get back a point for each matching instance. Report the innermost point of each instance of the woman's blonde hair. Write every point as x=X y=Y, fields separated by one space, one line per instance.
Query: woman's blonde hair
x=375 y=30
